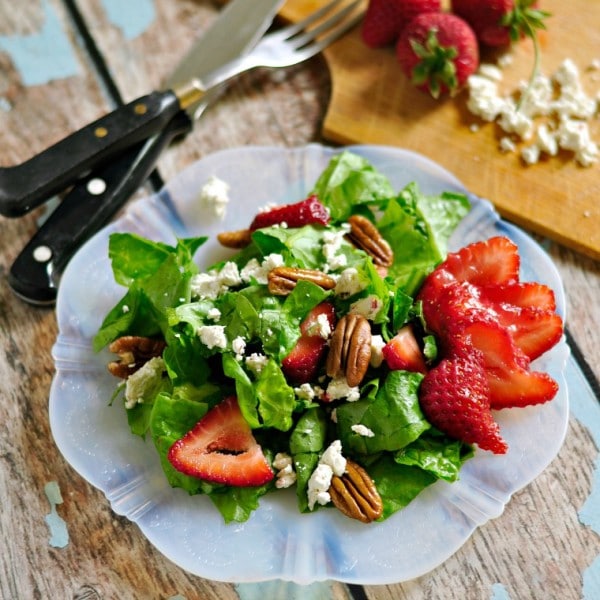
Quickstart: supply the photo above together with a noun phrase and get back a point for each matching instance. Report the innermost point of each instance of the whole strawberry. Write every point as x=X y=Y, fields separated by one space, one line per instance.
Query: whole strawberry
x=454 y=397
x=438 y=52
x=385 y=19
x=498 y=22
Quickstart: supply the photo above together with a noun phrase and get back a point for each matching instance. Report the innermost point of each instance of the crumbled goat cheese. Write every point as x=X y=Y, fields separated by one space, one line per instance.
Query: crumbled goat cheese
x=259 y=271
x=285 y=476
x=546 y=140
x=362 y=430
x=531 y=154
x=321 y=327
x=575 y=135
x=212 y=336
x=307 y=392
x=348 y=283
x=215 y=194
x=507 y=144
x=210 y=285
x=516 y=121
x=490 y=72
x=332 y=244
x=206 y=285
x=238 y=345
x=331 y=463
x=560 y=101
x=338 y=388
x=377 y=344
x=229 y=275
x=143 y=380
x=334 y=458
x=256 y=362
x=318 y=484
x=368 y=307
x=214 y=314
x=484 y=100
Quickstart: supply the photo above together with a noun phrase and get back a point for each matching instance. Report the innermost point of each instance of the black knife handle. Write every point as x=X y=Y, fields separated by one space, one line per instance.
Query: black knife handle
x=25 y=186
x=87 y=207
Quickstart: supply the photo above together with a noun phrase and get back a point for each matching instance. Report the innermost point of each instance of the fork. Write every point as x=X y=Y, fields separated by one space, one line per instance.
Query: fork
x=285 y=47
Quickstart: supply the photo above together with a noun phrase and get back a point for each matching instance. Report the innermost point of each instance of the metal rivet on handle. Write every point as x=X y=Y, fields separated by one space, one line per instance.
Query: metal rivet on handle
x=101 y=132
x=96 y=186
x=42 y=254
x=140 y=109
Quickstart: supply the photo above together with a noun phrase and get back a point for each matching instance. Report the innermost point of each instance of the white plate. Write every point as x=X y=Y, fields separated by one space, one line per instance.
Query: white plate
x=277 y=542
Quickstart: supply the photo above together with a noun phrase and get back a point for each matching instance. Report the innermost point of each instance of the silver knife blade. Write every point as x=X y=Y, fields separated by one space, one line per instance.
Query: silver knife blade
x=236 y=31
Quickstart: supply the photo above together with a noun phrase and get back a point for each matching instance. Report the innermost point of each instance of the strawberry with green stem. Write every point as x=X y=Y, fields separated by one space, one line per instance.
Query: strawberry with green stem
x=438 y=52
x=498 y=23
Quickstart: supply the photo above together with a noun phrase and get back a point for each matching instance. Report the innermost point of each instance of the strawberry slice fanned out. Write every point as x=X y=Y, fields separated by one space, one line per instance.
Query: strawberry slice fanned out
x=306 y=212
x=526 y=294
x=221 y=449
x=533 y=331
x=490 y=262
x=511 y=382
x=480 y=312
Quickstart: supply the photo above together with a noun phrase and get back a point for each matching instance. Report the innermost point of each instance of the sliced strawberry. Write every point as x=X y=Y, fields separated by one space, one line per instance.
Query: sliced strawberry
x=221 y=449
x=453 y=306
x=454 y=397
x=510 y=381
x=494 y=261
x=306 y=212
x=312 y=323
x=302 y=363
x=448 y=309
x=403 y=352
x=533 y=331
x=524 y=294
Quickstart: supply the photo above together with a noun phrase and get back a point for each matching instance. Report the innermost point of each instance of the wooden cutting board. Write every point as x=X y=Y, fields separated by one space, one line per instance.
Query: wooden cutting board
x=372 y=102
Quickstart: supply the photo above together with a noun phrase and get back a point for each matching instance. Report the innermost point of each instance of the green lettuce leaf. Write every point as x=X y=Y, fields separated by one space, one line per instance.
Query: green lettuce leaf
x=437 y=454
x=348 y=182
x=158 y=277
x=394 y=416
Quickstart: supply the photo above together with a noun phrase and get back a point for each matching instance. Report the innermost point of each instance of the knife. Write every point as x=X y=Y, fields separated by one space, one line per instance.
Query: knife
x=95 y=197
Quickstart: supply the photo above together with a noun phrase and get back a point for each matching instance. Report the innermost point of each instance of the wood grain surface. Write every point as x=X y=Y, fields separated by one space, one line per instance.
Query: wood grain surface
x=372 y=102
x=538 y=549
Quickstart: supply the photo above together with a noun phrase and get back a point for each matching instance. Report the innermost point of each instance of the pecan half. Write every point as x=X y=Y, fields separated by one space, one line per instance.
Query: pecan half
x=134 y=352
x=355 y=494
x=350 y=349
x=282 y=280
x=235 y=239
x=364 y=235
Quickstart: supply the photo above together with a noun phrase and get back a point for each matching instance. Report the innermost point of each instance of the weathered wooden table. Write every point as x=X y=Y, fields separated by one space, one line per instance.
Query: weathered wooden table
x=64 y=63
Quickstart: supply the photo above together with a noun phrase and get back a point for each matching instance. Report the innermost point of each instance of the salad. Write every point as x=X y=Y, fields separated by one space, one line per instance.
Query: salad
x=300 y=360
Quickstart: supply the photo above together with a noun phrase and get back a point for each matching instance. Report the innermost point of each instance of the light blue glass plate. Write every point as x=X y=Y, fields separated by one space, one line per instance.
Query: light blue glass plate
x=278 y=542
